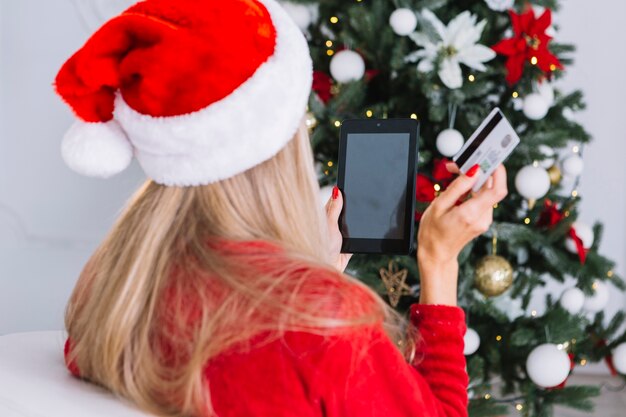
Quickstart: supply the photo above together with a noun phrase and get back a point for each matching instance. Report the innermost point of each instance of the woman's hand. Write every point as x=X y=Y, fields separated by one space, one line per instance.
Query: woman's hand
x=445 y=228
x=333 y=210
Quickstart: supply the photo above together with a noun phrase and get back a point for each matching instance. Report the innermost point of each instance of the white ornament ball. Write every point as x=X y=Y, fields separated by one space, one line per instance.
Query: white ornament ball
x=548 y=154
x=532 y=182
x=573 y=165
x=572 y=300
x=599 y=299
x=403 y=21
x=300 y=14
x=546 y=91
x=535 y=106
x=347 y=66
x=619 y=358
x=471 y=340
x=584 y=232
x=547 y=365
x=449 y=142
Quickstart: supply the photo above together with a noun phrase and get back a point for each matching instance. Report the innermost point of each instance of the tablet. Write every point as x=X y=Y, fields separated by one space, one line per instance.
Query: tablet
x=376 y=174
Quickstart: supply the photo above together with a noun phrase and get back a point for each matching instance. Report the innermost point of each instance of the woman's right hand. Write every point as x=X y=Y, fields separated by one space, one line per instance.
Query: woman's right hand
x=445 y=228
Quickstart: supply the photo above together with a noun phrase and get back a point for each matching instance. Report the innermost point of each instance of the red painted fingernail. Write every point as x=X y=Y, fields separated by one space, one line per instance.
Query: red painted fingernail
x=335 y=192
x=473 y=170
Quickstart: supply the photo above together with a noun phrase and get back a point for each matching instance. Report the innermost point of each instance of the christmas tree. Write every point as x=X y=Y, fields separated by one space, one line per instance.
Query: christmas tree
x=448 y=63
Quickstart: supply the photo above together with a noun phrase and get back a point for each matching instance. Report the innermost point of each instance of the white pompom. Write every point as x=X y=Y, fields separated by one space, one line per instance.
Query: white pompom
x=449 y=142
x=599 y=299
x=300 y=14
x=471 y=340
x=403 y=21
x=548 y=154
x=97 y=149
x=347 y=66
x=619 y=358
x=547 y=365
x=532 y=182
x=572 y=300
x=535 y=106
x=584 y=232
x=573 y=165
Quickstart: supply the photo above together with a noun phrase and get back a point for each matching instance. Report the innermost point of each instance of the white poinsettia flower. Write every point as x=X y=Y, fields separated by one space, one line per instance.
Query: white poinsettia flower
x=449 y=46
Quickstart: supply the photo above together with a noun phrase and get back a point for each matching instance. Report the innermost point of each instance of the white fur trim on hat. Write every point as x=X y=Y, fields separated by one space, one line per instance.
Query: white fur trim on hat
x=230 y=136
x=97 y=149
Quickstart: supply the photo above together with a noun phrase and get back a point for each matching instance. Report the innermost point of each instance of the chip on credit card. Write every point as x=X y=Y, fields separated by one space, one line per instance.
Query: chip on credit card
x=489 y=146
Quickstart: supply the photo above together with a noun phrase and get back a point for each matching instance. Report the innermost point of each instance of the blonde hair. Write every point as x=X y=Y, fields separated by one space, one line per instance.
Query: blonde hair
x=164 y=293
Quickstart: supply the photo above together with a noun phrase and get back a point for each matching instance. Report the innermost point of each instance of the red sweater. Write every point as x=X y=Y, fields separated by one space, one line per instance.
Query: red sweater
x=305 y=375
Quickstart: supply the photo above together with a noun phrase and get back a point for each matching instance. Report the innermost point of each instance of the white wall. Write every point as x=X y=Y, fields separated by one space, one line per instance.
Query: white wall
x=52 y=219
x=598 y=31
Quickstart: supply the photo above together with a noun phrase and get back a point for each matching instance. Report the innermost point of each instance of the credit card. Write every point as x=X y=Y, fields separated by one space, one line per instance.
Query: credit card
x=489 y=146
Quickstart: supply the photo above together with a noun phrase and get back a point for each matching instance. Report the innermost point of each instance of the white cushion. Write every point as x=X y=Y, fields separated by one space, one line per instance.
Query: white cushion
x=34 y=382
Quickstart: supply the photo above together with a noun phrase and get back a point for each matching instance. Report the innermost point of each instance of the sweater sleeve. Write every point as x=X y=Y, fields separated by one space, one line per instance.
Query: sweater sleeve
x=366 y=375
x=439 y=356
x=71 y=366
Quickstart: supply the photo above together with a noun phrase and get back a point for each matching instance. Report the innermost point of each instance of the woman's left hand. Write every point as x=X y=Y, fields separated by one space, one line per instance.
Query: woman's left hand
x=333 y=210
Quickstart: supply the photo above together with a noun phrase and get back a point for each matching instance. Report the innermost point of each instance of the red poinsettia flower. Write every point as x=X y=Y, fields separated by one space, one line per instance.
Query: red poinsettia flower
x=529 y=43
x=322 y=85
x=440 y=172
x=424 y=189
x=425 y=186
x=550 y=216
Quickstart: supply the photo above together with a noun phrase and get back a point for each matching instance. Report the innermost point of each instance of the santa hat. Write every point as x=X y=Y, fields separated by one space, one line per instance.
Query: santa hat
x=197 y=90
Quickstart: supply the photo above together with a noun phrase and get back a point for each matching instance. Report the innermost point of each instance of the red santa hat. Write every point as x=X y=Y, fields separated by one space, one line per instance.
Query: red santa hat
x=196 y=90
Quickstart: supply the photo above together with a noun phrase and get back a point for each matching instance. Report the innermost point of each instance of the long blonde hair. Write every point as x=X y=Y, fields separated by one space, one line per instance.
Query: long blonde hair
x=163 y=294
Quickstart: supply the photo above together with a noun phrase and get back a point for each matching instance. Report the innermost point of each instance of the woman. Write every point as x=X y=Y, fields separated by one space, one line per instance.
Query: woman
x=219 y=290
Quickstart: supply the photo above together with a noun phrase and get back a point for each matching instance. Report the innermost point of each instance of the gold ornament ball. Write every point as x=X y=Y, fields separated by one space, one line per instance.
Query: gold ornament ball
x=493 y=275
x=555 y=174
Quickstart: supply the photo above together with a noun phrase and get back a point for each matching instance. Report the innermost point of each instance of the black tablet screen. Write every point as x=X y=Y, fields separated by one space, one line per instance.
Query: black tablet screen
x=375 y=185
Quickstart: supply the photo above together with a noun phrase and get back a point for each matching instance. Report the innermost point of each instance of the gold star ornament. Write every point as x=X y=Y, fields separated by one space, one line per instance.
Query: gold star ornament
x=395 y=282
